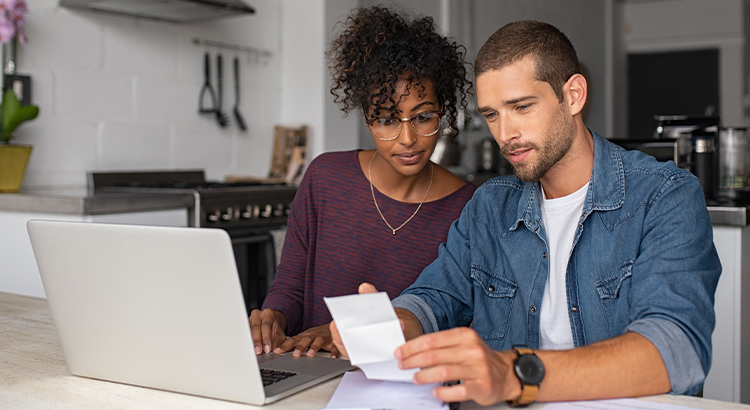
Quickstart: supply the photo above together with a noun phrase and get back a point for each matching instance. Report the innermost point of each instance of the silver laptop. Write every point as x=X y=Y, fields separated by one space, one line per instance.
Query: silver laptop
x=162 y=308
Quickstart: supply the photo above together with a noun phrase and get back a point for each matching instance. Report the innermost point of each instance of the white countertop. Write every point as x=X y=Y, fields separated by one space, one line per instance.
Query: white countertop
x=33 y=375
x=82 y=201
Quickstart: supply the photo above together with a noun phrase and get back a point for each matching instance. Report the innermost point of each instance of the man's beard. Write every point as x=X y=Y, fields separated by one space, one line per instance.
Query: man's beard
x=556 y=147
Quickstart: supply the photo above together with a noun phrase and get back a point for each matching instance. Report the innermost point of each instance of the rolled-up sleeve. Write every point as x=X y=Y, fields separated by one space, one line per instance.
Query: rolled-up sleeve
x=674 y=282
x=420 y=309
x=683 y=365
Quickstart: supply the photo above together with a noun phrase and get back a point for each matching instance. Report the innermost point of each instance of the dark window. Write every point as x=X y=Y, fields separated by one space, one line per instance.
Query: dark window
x=671 y=83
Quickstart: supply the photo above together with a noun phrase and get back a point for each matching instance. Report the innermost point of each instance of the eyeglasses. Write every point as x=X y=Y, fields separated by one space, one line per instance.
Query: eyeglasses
x=424 y=124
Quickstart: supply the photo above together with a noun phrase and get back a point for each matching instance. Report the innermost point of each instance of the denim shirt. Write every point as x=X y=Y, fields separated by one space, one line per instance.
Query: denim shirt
x=643 y=260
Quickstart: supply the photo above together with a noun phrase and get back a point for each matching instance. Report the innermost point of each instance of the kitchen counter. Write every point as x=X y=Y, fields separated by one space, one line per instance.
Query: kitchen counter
x=729 y=214
x=81 y=201
x=33 y=375
x=20 y=273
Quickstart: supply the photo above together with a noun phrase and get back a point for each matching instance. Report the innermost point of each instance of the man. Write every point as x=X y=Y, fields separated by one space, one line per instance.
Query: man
x=598 y=261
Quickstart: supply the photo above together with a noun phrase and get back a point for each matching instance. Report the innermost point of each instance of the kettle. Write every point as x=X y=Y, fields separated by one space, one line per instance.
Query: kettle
x=447 y=152
x=734 y=164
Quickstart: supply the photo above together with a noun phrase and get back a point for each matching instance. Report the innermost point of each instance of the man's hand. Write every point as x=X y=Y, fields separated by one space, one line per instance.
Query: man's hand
x=267 y=328
x=487 y=376
x=311 y=340
x=628 y=365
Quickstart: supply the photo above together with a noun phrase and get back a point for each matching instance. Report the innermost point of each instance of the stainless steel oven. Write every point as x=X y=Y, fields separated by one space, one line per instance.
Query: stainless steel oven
x=664 y=149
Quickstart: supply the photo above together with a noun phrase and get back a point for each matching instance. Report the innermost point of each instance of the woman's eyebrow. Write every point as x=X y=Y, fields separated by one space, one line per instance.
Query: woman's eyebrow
x=422 y=104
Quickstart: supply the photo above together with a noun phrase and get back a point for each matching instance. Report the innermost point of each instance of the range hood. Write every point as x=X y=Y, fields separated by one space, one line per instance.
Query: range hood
x=178 y=11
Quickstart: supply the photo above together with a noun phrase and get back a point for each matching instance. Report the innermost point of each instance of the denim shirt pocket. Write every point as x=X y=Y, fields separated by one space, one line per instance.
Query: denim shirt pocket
x=493 y=303
x=616 y=309
x=610 y=287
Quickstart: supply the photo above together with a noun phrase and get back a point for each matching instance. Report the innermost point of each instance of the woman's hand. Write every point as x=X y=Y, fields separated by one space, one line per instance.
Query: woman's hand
x=267 y=327
x=309 y=342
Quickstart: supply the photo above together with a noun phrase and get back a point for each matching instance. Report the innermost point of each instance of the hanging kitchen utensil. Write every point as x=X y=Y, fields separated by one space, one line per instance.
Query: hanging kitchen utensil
x=221 y=117
x=207 y=88
x=236 y=110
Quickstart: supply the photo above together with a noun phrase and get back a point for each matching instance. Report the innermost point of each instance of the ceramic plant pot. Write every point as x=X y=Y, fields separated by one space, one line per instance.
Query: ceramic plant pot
x=13 y=160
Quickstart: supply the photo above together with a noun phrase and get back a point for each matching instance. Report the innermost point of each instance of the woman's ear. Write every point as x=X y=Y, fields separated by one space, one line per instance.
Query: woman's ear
x=576 y=93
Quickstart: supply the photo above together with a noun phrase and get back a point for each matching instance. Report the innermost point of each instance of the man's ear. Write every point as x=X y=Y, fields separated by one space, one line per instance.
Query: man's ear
x=576 y=92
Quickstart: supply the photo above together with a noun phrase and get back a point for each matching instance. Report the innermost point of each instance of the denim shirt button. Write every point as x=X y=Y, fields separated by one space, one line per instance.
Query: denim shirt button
x=533 y=309
x=544 y=255
x=574 y=308
x=491 y=288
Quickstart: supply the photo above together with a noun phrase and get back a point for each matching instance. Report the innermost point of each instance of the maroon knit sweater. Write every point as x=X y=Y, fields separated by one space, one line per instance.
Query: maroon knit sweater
x=336 y=240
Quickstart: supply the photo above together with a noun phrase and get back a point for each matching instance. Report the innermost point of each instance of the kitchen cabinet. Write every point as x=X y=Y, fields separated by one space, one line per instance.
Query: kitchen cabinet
x=19 y=272
x=729 y=377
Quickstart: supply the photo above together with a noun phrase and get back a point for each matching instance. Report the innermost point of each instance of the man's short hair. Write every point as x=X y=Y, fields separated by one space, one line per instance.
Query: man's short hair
x=554 y=55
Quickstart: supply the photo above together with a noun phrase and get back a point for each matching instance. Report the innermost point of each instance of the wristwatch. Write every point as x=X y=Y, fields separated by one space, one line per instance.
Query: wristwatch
x=530 y=370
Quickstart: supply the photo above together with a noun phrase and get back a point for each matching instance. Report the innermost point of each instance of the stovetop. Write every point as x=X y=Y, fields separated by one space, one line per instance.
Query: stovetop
x=226 y=205
x=200 y=186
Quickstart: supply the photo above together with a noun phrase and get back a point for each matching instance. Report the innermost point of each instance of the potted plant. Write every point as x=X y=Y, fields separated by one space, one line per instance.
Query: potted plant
x=13 y=158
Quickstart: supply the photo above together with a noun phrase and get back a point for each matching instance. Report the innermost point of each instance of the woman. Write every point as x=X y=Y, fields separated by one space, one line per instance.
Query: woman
x=374 y=216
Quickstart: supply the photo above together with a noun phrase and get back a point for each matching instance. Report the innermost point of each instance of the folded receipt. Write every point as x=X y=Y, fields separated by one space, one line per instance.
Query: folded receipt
x=371 y=332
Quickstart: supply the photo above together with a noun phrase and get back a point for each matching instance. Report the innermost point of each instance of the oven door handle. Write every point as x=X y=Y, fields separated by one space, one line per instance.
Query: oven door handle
x=252 y=239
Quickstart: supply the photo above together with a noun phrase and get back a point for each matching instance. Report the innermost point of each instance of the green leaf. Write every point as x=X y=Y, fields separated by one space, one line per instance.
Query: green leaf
x=22 y=115
x=10 y=106
x=14 y=115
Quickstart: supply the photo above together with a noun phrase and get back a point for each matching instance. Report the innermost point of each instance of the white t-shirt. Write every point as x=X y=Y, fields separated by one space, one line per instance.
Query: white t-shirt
x=560 y=217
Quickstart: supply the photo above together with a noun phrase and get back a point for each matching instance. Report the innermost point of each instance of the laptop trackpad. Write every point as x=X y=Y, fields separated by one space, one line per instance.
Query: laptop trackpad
x=308 y=370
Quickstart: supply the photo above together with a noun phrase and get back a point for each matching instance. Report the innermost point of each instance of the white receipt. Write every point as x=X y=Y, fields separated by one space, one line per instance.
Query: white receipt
x=371 y=332
x=357 y=392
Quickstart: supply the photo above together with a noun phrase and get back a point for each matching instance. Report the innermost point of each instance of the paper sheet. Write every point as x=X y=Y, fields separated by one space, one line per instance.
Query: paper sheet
x=357 y=392
x=371 y=332
x=617 y=404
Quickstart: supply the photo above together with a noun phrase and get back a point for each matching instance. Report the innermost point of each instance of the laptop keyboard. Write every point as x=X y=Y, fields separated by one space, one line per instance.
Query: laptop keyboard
x=272 y=376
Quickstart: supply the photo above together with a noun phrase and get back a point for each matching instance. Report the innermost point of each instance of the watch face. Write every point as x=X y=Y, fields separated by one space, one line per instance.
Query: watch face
x=530 y=369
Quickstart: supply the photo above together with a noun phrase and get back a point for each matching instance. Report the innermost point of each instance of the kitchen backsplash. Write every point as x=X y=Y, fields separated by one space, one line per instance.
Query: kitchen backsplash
x=121 y=93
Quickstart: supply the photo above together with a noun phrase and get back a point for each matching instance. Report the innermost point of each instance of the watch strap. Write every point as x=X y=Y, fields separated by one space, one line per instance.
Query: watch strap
x=528 y=395
x=528 y=391
x=522 y=350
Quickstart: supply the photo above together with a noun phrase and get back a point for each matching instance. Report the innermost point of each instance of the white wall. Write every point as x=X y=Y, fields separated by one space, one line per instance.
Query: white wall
x=341 y=133
x=305 y=28
x=118 y=92
x=121 y=93
x=302 y=41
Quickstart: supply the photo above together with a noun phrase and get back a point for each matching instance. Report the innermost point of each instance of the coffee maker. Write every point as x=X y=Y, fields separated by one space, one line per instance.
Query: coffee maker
x=699 y=136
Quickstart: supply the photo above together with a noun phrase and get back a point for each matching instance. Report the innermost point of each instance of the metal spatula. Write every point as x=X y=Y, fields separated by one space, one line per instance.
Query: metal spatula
x=207 y=89
x=236 y=110
x=221 y=117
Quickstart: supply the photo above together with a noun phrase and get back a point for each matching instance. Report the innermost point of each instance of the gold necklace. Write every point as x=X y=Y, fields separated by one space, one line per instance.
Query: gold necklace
x=372 y=190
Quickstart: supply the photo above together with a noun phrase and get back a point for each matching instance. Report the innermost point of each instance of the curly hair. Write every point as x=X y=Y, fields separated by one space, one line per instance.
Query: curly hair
x=378 y=48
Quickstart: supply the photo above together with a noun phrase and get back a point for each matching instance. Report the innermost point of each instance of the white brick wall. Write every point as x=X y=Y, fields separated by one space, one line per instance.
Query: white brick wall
x=118 y=93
